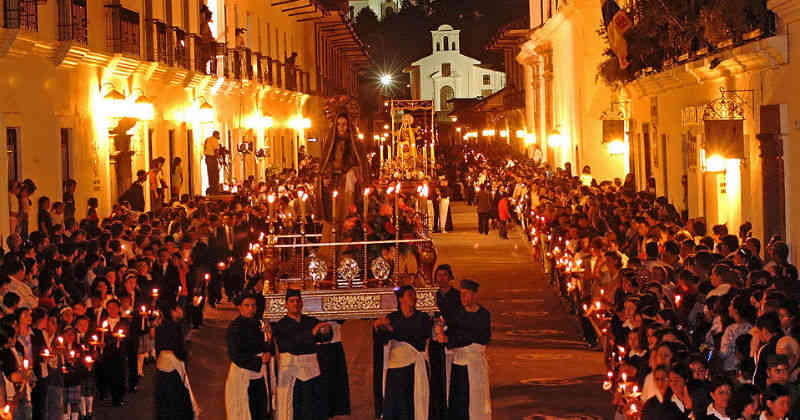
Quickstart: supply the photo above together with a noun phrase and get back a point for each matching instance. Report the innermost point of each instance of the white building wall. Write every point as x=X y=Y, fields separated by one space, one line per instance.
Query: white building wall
x=466 y=76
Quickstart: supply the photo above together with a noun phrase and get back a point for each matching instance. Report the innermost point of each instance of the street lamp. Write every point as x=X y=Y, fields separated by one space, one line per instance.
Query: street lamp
x=386 y=80
x=616 y=147
x=556 y=139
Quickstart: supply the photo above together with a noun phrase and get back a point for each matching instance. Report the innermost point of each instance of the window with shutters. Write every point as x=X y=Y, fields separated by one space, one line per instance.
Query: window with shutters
x=21 y=14
x=122 y=30
x=72 y=21
x=446 y=70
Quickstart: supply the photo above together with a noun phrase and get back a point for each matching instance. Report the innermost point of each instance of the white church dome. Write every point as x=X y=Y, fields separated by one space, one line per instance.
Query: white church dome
x=445 y=28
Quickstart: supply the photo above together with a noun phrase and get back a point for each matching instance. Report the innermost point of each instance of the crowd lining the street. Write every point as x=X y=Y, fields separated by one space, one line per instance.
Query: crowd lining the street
x=696 y=322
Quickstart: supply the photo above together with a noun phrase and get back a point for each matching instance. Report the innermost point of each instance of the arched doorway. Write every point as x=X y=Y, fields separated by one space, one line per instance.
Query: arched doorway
x=445 y=94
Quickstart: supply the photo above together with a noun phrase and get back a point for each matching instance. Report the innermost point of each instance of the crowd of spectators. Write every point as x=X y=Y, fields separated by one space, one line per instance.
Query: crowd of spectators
x=696 y=322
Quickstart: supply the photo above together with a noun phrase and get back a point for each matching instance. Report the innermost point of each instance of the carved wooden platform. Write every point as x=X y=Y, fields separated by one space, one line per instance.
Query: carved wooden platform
x=348 y=303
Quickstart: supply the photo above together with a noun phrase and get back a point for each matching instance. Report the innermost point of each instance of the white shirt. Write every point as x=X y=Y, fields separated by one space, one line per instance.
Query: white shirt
x=711 y=411
x=26 y=296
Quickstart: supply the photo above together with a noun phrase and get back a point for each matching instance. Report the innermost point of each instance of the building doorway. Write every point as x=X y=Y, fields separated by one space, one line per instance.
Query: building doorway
x=190 y=162
x=445 y=95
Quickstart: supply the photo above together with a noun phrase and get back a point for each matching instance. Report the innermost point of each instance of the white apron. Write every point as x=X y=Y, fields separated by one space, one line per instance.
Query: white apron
x=473 y=357
x=237 y=402
x=444 y=204
x=399 y=354
x=167 y=362
x=292 y=367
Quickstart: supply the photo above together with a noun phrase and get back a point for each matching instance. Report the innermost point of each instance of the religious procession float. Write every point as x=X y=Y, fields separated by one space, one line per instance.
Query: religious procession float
x=347 y=240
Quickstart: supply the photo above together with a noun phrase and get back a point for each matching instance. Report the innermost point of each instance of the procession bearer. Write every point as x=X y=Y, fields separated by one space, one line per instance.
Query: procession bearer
x=301 y=394
x=467 y=335
x=405 y=379
x=250 y=350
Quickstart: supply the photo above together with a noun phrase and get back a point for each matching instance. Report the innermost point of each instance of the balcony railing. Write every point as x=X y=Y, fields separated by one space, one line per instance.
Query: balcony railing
x=657 y=40
x=181 y=49
x=21 y=14
x=122 y=30
x=72 y=21
x=259 y=68
x=162 y=49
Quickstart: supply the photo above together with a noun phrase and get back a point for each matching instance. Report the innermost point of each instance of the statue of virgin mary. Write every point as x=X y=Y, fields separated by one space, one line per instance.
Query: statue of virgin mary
x=342 y=170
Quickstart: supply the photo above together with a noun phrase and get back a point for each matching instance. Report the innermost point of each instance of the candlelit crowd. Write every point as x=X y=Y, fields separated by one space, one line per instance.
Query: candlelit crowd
x=694 y=321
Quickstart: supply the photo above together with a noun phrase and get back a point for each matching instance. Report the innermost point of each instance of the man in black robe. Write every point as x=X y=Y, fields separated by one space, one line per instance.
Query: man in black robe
x=173 y=394
x=301 y=393
x=406 y=333
x=469 y=331
x=448 y=300
x=249 y=349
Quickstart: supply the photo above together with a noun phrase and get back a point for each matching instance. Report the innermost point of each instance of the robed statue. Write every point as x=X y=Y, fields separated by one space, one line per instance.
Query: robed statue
x=342 y=170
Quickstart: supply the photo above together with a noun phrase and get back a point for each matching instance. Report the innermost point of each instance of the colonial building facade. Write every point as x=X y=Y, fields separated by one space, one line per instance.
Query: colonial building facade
x=447 y=74
x=712 y=127
x=95 y=90
x=381 y=8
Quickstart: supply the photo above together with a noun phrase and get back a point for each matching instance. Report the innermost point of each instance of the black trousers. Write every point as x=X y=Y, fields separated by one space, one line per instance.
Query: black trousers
x=310 y=400
x=398 y=403
x=172 y=400
x=458 y=408
x=438 y=403
x=257 y=397
x=212 y=166
x=483 y=223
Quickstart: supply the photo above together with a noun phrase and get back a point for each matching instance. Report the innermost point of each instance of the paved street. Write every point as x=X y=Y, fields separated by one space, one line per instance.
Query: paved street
x=538 y=367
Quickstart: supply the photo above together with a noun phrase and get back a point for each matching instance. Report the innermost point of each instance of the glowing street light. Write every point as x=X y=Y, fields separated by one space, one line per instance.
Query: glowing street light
x=556 y=139
x=386 y=80
x=616 y=147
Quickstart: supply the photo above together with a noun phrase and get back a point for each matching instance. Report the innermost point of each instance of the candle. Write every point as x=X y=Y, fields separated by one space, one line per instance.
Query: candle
x=303 y=199
x=88 y=360
x=271 y=201
x=46 y=353
x=25 y=364
x=366 y=209
x=60 y=341
x=155 y=293
x=335 y=194
x=72 y=354
x=677 y=300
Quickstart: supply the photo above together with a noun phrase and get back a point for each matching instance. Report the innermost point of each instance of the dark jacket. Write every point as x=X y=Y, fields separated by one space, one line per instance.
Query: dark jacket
x=484 y=201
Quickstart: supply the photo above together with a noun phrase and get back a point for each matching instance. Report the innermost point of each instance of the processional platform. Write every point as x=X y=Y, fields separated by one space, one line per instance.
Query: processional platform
x=342 y=304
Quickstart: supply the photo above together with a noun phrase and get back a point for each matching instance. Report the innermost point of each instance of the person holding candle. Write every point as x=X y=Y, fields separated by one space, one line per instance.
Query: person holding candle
x=72 y=375
x=405 y=333
x=448 y=301
x=301 y=392
x=112 y=363
x=250 y=349
x=468 y=333
x=17 y=373
x=88 y=384
x=173 y=395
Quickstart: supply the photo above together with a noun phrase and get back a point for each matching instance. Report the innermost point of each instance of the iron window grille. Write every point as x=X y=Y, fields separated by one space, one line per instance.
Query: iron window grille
x=181 y=50
x=122 y=30
x=21 y=14
x=72 y=21
x=162 y=52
